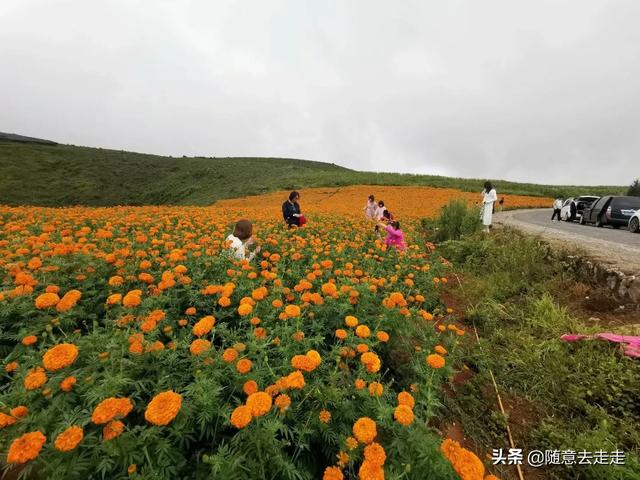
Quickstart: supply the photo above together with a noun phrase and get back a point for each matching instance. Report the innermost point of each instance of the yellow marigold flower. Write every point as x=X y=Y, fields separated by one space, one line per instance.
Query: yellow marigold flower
x=403 y=415
x=375 y=454
x=112 y=429
x=376 y=389
x=405 y=398
x=203 y=326
x=199 y=346
x=325 y=416
x=364 y=429
x=35 y=379
x=60 y=356
x=435 y=361
x=244 y=365
x=332 y=473
x=47 y=300
x=111 y=408
x=259 y=403
x=241 y=416
x=26 y=447
x=163 y=408
x=69 y=439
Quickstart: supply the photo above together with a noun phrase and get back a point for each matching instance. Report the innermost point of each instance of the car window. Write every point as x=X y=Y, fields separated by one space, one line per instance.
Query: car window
x=567 y=202
x=587 y=199
x=627 y=203
x=600 y=203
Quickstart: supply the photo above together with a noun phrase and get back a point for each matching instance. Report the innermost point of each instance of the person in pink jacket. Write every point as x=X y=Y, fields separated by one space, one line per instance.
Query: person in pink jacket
x=395 y=236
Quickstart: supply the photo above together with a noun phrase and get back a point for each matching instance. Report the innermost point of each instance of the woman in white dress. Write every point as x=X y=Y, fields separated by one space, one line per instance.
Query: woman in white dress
x=370 y=208
x=239 y=241
x=489 y=196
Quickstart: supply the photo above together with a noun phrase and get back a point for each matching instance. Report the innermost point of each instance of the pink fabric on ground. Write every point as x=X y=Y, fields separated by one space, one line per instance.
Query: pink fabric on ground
x=630 y=343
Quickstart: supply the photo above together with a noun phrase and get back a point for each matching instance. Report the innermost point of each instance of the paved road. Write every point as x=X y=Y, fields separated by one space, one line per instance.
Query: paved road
x=616 y=247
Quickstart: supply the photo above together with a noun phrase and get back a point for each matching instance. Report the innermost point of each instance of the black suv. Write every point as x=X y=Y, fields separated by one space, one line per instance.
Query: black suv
x=609 y=210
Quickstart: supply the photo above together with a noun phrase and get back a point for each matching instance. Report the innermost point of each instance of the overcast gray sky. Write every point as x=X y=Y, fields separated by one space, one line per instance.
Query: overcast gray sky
x=542 y=90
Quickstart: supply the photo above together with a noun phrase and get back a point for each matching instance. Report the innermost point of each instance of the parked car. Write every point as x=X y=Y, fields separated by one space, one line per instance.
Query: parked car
x=573 y=207
x=634 y=222
x=610 y=210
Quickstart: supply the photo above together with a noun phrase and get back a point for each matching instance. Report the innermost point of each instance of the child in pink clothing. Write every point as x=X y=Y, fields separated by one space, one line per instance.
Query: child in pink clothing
x=395 y=236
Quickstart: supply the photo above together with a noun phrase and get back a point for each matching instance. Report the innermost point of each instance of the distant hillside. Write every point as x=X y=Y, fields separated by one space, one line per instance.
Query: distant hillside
x=12 y=137
x=57 y=175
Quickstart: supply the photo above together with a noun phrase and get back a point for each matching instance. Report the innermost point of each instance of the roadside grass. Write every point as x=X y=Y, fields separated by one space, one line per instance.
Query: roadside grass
x=560 y=396
x=58 y=175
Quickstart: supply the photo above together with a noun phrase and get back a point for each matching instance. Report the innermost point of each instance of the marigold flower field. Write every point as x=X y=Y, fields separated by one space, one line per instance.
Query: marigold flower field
x=134 y=347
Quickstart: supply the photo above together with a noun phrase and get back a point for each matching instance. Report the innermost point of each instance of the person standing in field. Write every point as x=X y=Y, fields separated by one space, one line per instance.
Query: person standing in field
x=291 y=211
x=370 y=208
x=395 y=236
x=241 y=239
x=557 y=207
x=489 y=197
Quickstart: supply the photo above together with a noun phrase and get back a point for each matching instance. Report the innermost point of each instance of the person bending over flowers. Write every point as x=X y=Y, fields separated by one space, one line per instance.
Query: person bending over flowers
x=395 y=236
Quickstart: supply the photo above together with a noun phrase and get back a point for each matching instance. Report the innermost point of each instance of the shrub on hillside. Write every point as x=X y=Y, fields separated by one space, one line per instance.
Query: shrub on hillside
x=634 y=188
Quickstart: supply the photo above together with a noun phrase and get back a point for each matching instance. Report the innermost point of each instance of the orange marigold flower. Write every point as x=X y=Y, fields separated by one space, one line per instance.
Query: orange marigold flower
x=332 y=473
x=111 y=408
x=26 y=448
x=224 y=301
x=294 y=380
x=67 y=384
x=163 y=408
x=60 y=356
x=11 y=367
x=131 y=300
x=244 y=365
x=325 y=416
x=292 y=310
x=20 y=411
x=69 y=439
x=131 y=469
x=259 y=403
x=241 y=416
x=364 y=429
x=29 y=340
x=369 y=471
x=403 y=415
x=350 y=321
x=371 y=361
x=282 y=402
x=376 y=389
x=375 y=454
x=35 y=379
x=360 y=384
x=112 y=429
x=47 y=300
x=190 y=311
x=199 y=346
x=229 y=355
x=341 y=334
x=6 y=420
x=382 y=336
x=405 y=398
x=249 y=387
x=351 y=443
x=435 y=361
x=203 y=326
x=245 y=309
x=440 y=349
x=363 y=331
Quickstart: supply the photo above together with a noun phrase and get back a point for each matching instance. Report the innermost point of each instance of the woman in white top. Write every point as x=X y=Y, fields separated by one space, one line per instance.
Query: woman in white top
x=489 y=196
x=240 y=239
x=370 y=208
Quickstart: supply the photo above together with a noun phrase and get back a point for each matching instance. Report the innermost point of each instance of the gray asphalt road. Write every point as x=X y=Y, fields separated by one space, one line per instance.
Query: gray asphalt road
x=541 y=218
x=618 y=248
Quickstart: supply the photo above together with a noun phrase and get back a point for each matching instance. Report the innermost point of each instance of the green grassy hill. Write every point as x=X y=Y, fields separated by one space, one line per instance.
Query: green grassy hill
x=55 y=175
